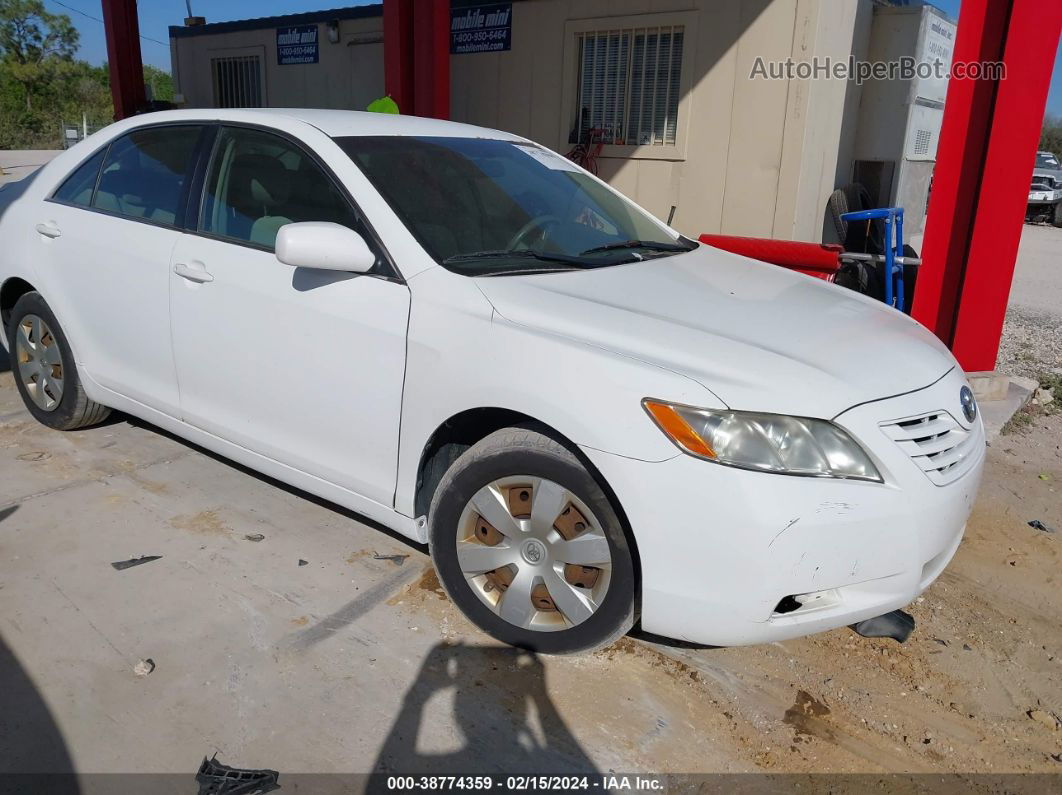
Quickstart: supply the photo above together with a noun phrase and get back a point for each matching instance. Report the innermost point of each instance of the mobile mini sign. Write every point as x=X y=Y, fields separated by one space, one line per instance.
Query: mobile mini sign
x=487 y=28
x=297 y=44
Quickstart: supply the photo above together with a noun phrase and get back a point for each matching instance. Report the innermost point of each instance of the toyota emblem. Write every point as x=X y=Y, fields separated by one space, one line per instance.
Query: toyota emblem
x=969 y=405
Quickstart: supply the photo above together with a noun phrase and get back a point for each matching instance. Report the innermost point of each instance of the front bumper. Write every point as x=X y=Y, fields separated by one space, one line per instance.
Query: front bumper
x=1045 y=197
x=719 y=547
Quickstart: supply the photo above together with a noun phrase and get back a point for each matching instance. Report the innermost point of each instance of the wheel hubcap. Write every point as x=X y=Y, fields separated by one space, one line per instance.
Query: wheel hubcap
x=534 y=553
x=40 y=364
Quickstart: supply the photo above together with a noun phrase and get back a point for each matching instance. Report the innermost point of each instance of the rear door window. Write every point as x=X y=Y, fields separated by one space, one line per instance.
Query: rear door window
x=78 y=187
x=145 y=174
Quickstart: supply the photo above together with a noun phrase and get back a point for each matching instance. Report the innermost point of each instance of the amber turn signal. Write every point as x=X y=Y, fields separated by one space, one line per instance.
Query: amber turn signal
x=677 y=429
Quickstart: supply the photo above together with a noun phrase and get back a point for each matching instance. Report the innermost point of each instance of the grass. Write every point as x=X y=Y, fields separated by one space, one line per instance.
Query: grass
x=1025 y=418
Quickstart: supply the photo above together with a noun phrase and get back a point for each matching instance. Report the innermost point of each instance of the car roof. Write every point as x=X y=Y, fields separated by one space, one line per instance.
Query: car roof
x=335 y=123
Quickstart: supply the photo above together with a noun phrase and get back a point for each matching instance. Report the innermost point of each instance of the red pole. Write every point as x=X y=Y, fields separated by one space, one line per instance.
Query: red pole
x=981 y=181
x=398 y=52
x=122 y=30
x=1032 y=35
x=431 y=59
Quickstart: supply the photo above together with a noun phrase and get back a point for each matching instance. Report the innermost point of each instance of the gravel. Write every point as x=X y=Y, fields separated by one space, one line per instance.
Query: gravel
x=1032 y=332
x=1032 y=342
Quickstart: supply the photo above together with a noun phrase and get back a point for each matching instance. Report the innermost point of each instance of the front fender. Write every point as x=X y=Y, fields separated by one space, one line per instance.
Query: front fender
x=462 y=355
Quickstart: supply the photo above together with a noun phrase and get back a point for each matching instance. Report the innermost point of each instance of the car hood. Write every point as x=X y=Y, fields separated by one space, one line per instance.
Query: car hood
x=761 y=338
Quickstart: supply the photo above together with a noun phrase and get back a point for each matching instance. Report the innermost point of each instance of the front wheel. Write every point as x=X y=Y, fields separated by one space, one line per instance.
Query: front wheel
x=530 y=548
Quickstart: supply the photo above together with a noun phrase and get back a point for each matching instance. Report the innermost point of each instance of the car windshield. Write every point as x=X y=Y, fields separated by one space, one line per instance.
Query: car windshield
x=1045 y=160
x=486 y=207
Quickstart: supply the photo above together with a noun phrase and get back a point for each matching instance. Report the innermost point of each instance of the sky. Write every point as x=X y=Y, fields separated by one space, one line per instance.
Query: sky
x=157 y=15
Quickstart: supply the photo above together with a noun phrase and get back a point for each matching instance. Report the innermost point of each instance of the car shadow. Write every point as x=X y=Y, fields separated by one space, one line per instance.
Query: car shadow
x=136 y=422
x=659 y=640
x=505 y=721
x=33 y=754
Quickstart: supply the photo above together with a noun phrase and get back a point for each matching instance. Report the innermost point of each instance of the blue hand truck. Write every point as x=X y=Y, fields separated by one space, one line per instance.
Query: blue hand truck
x=893 y=257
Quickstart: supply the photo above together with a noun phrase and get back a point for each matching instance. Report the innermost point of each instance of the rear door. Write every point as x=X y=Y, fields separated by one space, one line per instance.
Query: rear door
x=105 y=240
x=302 y=366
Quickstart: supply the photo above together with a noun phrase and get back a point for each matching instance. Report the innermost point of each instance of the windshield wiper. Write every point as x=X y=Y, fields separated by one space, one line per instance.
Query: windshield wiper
x=652 y=245
x=525 y=253
x=530 y=269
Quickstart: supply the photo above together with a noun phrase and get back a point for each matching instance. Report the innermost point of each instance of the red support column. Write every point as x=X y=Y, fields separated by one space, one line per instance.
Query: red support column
x=123 y=57
x=398 y=52
x=981 y=181
x=431 y=59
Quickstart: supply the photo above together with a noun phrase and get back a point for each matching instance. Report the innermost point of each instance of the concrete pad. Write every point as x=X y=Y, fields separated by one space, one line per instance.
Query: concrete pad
x=989 y=385
x=17 y=163
x=345 y=664
x=997 y=413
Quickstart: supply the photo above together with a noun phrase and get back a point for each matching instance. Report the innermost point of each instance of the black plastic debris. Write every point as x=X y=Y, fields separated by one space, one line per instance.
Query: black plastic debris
x=256 y=537
x=897 y=625
x=215 y=778
x=1036 y=524
x=122 y=565
x=398 y=560
x=303 y=562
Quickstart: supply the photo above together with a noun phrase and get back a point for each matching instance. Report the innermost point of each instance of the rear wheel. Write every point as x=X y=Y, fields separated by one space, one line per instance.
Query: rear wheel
x=44 y=369
x=529 y=547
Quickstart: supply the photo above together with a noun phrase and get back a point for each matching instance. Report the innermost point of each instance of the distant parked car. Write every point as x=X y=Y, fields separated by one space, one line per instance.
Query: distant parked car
x=470 y=339
x=1045 y=193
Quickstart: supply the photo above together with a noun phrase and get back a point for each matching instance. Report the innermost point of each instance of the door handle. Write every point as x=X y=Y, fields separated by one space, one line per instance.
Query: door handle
x=48 y=230
x=194 y=272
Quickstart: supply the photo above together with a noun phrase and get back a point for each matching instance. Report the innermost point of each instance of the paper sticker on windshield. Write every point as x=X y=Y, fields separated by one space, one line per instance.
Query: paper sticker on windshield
x=547 y=158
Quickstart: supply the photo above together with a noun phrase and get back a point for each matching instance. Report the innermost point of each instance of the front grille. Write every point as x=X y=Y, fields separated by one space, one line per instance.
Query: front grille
x=937 y=444
x=1042 y=183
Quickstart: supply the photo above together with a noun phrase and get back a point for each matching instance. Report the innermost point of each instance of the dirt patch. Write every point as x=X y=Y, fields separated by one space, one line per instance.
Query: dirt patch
x=429 y=583
x=354 y=557
x=806 y=717
x=204 y=523
x=425 y=588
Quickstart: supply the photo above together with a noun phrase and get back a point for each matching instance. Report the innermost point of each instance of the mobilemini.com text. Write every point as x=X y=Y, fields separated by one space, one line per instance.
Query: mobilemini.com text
x=905 y=68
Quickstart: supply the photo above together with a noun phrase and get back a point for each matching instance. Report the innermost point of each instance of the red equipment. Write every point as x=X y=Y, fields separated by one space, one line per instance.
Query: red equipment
x=821 y=260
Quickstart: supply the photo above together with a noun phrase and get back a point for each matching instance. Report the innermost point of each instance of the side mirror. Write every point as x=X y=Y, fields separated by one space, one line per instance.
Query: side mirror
x=324 y=246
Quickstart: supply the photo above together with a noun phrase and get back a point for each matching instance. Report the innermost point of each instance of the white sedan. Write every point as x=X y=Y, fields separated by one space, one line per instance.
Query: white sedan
x=591 y=419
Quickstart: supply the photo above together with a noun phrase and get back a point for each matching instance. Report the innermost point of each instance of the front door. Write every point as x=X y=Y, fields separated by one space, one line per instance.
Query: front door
x=302 y=366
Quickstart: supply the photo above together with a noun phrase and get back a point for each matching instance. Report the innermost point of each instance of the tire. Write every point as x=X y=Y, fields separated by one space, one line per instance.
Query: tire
x=1056 y=216
x=838 y=206
x=517 y=454
x=73 y=409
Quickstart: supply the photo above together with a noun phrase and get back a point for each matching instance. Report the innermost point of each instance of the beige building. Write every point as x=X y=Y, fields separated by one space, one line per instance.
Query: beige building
x=667 y=83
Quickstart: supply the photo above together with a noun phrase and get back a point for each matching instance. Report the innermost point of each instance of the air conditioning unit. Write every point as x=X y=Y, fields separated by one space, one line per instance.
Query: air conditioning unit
x=899 y=120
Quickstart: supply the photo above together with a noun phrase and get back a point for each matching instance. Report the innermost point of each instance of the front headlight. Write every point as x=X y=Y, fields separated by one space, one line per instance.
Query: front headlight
x=764 y=442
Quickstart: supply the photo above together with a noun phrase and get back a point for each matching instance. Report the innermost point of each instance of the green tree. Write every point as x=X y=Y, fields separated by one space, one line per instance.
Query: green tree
x=41 y=83
x=36 y=64
x=34 y=45
x=1051 y=135
x=159 y=84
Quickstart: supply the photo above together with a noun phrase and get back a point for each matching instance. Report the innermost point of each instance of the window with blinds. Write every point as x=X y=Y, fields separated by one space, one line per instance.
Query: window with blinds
x=628 y=90
x=237 y=81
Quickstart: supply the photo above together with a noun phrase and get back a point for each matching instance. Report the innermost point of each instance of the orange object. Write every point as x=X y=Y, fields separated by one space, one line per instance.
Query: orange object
x=677 y=429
